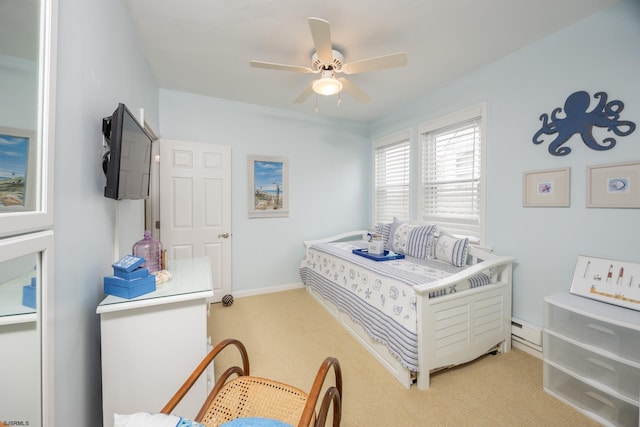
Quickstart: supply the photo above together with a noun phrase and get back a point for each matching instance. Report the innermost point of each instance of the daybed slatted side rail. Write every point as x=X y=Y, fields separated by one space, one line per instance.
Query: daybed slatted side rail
x=498 y=266
x=462 y=326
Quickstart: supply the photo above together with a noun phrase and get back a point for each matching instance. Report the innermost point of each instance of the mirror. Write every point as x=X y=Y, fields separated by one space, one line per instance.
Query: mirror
x=25 y=113
x=19 y=108
x=26 y=152
x=24 y=272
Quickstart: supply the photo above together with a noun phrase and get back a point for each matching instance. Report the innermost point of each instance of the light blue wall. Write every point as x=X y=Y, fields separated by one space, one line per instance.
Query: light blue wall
x=598 y=54
x=328 y=167
x=99 y=65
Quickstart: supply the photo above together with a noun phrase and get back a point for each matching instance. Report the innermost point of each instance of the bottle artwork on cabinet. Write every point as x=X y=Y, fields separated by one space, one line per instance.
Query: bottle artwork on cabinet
x=151 y=250
x=611 y=281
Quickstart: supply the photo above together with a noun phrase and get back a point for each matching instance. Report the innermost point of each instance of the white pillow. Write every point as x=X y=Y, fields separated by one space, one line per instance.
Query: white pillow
x=145 y=419
x=452 y=250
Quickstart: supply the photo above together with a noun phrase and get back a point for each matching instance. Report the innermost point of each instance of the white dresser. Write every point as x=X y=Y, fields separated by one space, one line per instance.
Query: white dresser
x=152 y=343
x=592 y=357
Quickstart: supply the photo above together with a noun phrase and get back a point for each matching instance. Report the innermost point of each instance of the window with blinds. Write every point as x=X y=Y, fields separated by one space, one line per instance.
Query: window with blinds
x=451 y=178
x=391 y=164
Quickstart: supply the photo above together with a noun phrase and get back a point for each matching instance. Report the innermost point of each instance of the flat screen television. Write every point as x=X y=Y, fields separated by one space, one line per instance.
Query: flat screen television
x=127 y=163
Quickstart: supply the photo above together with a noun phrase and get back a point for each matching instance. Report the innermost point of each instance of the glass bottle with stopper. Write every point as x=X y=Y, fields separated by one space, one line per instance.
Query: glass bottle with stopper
x=151 y=250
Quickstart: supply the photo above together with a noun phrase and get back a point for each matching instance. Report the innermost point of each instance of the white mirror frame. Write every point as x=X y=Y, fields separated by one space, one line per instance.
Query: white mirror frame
x=12 y=223
x=34 y=222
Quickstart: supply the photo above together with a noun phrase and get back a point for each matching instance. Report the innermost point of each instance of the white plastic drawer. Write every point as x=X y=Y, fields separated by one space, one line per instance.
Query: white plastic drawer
x=616 y=339
x=605 y=408
x=622 y=377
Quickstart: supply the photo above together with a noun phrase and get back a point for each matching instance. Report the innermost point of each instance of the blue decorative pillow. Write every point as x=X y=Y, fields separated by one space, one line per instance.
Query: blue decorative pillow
x=255 y=422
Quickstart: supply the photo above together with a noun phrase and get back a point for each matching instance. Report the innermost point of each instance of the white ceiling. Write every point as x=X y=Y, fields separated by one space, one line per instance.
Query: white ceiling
x=204 y=46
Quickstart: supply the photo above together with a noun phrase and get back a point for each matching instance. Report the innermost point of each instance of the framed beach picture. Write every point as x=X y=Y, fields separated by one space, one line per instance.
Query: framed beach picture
x=546 y=188
x=17 y=168
x=268 y=186
x=615 y=185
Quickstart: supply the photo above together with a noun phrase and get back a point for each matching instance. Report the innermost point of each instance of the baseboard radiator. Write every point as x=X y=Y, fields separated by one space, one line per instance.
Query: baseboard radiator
x=526 y=334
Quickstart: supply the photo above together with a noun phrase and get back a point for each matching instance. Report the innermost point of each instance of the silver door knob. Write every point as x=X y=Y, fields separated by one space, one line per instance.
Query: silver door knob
x=224 y=235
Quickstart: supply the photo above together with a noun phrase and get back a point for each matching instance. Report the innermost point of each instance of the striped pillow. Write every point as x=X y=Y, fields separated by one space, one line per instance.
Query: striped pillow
x=388 y=245
x=480 y=279
x=452 y=250
x=413 y=239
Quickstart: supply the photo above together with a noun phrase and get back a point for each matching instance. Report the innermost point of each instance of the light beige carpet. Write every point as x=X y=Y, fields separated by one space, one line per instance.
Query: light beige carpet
x=288 y=334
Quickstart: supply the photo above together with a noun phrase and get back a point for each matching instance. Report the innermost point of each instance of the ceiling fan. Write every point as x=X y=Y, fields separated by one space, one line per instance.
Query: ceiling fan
x=329 y=62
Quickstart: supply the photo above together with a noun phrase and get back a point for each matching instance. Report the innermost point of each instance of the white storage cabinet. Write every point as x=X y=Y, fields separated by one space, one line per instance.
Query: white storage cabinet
x=152 y=343
x=592 y=357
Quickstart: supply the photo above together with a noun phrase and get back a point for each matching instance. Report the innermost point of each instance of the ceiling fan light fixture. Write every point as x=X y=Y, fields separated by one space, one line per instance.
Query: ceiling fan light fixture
x=327 y=86
x=330 y=62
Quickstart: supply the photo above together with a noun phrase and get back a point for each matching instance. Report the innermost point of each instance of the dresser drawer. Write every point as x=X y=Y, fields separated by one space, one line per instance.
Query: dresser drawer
x=613 y=338
x=605 y=369
x=607 y=409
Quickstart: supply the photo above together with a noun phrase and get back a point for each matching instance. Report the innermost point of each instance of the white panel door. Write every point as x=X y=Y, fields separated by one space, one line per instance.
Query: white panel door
x=195 y=206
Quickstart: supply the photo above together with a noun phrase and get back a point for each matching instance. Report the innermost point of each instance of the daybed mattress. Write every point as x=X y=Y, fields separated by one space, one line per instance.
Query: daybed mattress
x=379 y=295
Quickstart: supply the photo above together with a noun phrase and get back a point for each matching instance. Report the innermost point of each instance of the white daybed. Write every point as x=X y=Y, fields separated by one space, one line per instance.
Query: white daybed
x=412 y=323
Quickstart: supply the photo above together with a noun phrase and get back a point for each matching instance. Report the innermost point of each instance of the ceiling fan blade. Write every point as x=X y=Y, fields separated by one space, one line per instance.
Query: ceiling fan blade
x=377 y=63
x=304 y=94
x=281 y=67
x=354 y=91
x=321 y=33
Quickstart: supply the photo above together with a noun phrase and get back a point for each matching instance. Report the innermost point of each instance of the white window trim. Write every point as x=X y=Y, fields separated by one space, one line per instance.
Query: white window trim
x=478 y=110
x=395 y=138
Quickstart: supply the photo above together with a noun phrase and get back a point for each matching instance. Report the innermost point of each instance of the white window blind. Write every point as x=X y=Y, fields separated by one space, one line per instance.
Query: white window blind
x=451 y=178
x=391 y=180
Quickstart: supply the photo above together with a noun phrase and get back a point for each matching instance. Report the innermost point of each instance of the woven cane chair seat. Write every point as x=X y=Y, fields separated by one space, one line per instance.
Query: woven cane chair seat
x=256 y=397
x=253 y=397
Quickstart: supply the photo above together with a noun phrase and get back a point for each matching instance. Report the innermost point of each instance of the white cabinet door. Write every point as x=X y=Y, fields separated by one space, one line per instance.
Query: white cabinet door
x=195 y=206
x=148 y=353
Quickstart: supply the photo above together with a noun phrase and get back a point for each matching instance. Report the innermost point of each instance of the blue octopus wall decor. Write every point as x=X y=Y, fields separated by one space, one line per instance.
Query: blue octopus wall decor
x=577 y=120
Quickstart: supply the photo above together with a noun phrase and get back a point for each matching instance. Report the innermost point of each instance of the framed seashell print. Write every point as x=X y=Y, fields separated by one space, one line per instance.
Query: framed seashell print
x=546 y=188
x=615 y=185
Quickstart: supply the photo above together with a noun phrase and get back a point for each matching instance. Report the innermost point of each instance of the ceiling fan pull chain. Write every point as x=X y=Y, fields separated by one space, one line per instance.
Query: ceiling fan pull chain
x=339 y=98
x=316 y=102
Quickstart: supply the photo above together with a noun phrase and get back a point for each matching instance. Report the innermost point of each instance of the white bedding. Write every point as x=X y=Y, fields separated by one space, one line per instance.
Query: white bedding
x=379 y=295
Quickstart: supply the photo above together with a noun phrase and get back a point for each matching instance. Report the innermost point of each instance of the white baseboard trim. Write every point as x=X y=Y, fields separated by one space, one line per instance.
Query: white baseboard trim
x=527 y=332
x=269 y=290
x=526 y=347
